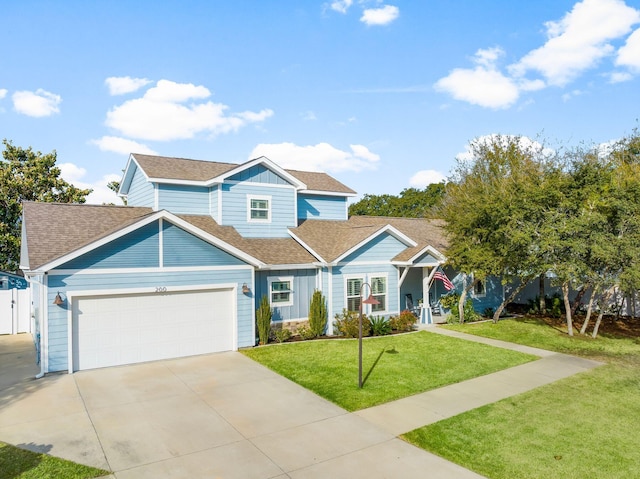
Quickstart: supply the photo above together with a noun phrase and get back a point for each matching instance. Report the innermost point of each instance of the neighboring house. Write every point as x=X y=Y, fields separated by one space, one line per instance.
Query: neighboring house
x=14 y=304
x=180 y=270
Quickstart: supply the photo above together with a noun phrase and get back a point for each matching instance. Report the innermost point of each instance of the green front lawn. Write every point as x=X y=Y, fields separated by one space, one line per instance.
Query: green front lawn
x=393 y=366
x=16 y=463
x=583 y=426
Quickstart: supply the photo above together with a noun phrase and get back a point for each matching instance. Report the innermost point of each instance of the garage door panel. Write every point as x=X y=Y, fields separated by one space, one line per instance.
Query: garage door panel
x=124 y=329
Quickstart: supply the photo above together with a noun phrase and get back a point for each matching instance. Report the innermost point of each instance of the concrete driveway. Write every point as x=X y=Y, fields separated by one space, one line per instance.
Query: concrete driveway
x=217 y=416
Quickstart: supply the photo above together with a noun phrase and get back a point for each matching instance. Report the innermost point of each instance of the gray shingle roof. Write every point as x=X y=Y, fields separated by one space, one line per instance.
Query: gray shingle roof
x=331 y=239
x=168 y=168
x=57 y=229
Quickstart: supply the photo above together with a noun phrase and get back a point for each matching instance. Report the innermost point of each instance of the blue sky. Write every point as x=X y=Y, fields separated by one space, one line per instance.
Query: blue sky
x=383 y=95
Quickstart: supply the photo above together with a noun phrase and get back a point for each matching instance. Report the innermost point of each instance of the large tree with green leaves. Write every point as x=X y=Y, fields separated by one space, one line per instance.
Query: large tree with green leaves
x=410 y=203
x=26 y=175
x=494 y=211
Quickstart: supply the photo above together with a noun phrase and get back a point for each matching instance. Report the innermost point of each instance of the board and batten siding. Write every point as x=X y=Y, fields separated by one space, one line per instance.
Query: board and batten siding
x=141 y=192
x=181 y=248
x=234 y=210
x=64 y=283
x=322 y=207
x=259 y=174
x=304 y=283
x=182 y=199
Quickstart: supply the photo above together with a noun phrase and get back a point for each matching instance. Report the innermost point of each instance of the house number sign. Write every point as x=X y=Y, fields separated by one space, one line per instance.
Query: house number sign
x=161 y=289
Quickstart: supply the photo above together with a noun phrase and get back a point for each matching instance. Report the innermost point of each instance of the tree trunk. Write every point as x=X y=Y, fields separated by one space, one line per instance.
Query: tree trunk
x=603 y=304
x=463 y=297
x=578 y=300
x=542 y=302
x=594 y=292
x=514 y=293
x=567 y=307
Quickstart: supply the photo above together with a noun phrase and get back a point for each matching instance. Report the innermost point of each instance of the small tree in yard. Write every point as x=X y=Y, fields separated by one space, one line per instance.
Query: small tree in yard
x=317 y=313
x=263 y=320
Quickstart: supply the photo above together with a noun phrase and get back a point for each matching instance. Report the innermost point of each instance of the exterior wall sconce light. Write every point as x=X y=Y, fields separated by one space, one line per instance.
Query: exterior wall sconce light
x=245 y=289
x=58 y=299
x=369 y=300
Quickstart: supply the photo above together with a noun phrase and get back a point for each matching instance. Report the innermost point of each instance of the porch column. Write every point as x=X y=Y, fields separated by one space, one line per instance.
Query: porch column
x=425 y=311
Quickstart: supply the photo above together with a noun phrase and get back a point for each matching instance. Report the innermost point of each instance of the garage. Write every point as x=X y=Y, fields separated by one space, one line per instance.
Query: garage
x=112 y=330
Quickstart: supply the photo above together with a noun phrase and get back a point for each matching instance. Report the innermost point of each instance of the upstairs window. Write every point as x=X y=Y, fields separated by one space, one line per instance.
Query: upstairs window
x=280 y=291
x=259 y=209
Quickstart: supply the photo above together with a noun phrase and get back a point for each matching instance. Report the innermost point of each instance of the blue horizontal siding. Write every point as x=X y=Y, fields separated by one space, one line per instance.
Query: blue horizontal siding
x=138 y=249
x=234 y=210
x=181 y=248
x=365 y=271
x=213 y=202
x=322 y=207
x=141 y=192
x=181 y=199
x=382 y=248
x=304 y=283
x=426 y=259
x=58 y=333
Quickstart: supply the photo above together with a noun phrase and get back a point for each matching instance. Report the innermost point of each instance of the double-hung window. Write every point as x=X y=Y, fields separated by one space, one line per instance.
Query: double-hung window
x=259 y=209
x=353 y=293
x=281 y=291
x=379 y=292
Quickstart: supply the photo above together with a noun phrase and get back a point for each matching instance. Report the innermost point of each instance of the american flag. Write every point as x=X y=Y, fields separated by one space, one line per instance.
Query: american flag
x=448 y=285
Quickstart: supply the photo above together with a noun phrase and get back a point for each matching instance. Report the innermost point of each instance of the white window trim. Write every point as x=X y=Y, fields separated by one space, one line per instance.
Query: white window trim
x=276 y=279
x=362 y=278
x=386 y=292
x=269 y=209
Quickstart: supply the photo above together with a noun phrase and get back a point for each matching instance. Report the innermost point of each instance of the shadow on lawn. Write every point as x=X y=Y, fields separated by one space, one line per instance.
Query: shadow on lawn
x=15 y=461
x=392 y=350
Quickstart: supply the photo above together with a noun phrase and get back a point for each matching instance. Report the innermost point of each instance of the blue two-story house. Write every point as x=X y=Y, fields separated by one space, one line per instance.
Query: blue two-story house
x=181 y=269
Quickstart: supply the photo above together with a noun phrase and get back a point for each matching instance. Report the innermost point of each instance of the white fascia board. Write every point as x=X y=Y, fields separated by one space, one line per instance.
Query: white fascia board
x=127 y=177
x=326 y=193
x=386 y=229
x=429 y=249
x=307 y=247
x=203 y=235
x=163 y=214
x=274 y=267
x=169 y=181
x=269 y=164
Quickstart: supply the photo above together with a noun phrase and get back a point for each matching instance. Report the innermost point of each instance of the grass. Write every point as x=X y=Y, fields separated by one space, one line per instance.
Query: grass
x=17 y=463
x=393 y=366
x=583 y=426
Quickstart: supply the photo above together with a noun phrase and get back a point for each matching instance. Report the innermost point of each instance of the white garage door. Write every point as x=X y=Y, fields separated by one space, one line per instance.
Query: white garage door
x=125 y=329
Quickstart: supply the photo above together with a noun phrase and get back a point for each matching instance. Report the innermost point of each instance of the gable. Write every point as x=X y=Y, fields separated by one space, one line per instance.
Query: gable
x=381 y=248
x=138 y=249
x=260 y=174
x=181 y=248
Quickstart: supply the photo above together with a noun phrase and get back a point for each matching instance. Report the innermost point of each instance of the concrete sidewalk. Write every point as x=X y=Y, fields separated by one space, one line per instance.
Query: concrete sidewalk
x=223 y=415
x=410 y=413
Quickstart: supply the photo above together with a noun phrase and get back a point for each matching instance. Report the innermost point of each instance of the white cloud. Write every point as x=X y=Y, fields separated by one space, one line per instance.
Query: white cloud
x=573 y=93
x=525 y=143
x=619 y=77
x=579 y=40
x=341 y=6
x=101 y=194
x=629 y=54
x=380 y=16
x=320 y=157
x=483 y=85
x=309 y=116
x=160 y=114
x=122 y=145
x=3 y=93
x=122 y=85
x=37 y=104
x=423 y=178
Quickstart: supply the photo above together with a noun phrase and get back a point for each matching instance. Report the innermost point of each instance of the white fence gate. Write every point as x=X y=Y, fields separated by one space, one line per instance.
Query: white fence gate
x=15 y=311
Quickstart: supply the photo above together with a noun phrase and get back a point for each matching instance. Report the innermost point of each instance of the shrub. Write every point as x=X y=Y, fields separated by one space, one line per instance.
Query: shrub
x=317 y=314
x=380 y=326
x=488 y=312
x=405 y=321
x=281 y=335
x=263 y=320
x=346 y=324
x=305 y=332
x=451 y=301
